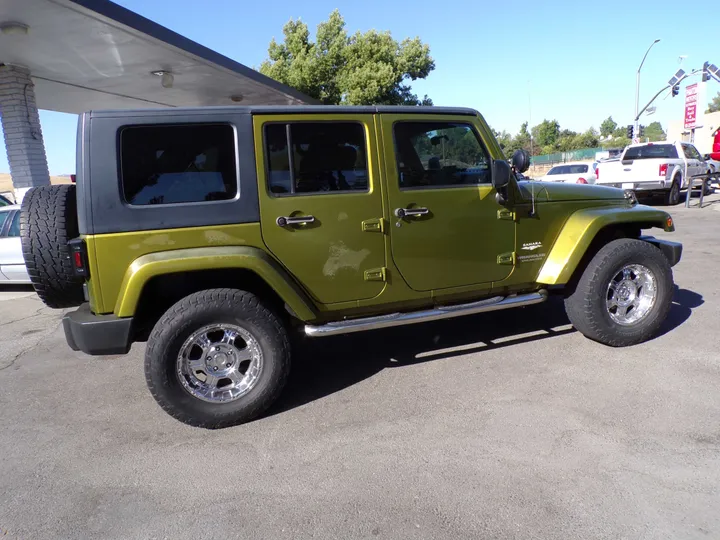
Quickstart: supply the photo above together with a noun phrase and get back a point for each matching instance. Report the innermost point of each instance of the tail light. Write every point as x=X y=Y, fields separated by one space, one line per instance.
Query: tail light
x=663 y=169
x=78 y=254
x=72 y=178
x=597 y=173
x=581 y=181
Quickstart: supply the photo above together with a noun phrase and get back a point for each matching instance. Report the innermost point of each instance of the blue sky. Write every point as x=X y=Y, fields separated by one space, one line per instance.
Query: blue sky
x=572 y=61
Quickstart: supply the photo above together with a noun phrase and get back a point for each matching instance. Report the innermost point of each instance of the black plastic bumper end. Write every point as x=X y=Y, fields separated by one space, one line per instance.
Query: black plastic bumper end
x=671 y=250
x=97 y=334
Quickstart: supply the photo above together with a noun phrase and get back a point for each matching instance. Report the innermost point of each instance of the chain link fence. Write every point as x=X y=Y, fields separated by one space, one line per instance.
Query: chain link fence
x=563 y=157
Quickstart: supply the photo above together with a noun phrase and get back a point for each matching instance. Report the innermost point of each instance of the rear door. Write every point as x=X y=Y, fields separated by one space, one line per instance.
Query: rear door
x=321 y=202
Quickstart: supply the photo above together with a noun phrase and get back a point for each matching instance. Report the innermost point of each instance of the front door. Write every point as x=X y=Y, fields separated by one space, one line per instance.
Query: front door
x=321 y=202
x=446 y=230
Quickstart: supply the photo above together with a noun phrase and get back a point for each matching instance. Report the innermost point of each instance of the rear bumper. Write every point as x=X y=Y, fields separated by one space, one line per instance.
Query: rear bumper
x=641 y=186
x=97 y=334
x=671 y=250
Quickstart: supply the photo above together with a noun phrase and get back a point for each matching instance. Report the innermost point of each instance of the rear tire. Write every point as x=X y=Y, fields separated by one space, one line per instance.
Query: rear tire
x=48 y=220
x=194 y=370
x=673 y=196
x=603 y=284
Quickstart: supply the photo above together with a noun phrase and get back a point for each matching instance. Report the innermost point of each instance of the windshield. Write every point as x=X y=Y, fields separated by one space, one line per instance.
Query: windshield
x=4 y=201
x=569 y=169
x=651 y=151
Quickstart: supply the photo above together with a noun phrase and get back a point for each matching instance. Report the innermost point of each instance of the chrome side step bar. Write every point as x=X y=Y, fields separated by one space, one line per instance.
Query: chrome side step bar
x=434 y=314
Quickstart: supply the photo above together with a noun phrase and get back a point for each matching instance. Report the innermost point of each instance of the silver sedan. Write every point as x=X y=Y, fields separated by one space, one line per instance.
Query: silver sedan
x=12 y=264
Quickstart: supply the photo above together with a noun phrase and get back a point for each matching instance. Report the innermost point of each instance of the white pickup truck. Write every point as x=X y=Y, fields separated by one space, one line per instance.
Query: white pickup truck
x=653 y=168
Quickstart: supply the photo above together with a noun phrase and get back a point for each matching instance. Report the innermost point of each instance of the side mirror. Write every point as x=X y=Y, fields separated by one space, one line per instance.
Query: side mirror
x=521 y=161
x=501 y=173
x=706 y=157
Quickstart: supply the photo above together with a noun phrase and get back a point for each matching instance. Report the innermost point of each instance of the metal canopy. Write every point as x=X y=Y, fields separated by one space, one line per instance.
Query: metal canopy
x=94 y=54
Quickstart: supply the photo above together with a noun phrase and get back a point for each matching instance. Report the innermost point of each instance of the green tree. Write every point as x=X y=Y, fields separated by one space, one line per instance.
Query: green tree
x=608 y=127
x=363 y=69
x=521 y=141
x=619 y=132
x=616 y=142
x=655 y=132
x=504 y=139
x=589 y=139
x=546 y=133
x=714 y=104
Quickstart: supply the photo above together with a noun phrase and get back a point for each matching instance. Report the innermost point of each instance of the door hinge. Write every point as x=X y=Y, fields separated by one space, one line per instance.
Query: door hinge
x=505 y=214
x=376 y=274
x=506 y=258
x=374 y=225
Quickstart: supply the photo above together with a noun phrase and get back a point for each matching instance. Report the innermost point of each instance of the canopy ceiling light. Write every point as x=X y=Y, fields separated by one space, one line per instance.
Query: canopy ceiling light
x=12 y=28
x=166 y=78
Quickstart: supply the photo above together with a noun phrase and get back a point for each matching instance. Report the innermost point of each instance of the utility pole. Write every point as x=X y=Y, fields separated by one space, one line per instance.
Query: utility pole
x=637 y=86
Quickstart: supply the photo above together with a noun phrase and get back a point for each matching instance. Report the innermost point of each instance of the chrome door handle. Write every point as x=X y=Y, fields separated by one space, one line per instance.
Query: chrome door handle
x=284 y=221
x=411 y=212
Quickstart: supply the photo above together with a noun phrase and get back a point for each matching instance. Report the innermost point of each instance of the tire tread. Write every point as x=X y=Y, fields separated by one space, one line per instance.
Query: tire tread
x=48 y=220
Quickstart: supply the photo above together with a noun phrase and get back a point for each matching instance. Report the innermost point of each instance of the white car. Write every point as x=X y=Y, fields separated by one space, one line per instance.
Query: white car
x=574 y=173
x=714 y=166
x=12 y=263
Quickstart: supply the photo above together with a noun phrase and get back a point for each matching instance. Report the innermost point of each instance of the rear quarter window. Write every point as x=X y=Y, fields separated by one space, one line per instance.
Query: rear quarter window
x=178 y=164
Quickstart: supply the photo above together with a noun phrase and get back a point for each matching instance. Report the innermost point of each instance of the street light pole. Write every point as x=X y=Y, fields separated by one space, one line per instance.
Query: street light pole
x=637 y=89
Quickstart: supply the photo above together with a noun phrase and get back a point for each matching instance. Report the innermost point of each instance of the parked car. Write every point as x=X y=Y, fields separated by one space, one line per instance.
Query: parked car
x=218 y=234
x=573 y=173
x=714 y=166
x=651 y=168
x=12 y=264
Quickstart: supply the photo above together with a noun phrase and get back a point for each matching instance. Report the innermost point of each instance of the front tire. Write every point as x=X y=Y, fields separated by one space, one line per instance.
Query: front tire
x=217 y=358
x=624 y=294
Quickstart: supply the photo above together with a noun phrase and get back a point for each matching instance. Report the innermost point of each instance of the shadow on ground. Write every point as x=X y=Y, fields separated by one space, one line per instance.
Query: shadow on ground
x=323 y=366
x=16 y=288
x=683 y=302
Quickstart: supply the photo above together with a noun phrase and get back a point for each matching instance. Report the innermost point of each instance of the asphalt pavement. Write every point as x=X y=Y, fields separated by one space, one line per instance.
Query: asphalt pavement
x=508 y=425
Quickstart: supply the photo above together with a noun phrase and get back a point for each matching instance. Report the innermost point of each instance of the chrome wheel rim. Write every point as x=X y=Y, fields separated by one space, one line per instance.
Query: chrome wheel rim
x=219 y=363
x=631 y=294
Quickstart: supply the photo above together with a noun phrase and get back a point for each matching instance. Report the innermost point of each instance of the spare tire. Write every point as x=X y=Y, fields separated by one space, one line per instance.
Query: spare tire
x=48 y=219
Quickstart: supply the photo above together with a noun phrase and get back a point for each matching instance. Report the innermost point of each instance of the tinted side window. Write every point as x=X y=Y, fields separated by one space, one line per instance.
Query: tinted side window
x=164 y=164
x=305 y=157
x=3 y=219
x=439 y=154
x=14 y=229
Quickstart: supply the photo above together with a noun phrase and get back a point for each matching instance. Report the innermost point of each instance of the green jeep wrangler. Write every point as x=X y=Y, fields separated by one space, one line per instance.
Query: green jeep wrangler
x=215 y=234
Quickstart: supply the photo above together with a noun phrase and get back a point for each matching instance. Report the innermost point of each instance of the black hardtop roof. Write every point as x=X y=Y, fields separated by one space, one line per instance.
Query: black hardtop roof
x=288 y=109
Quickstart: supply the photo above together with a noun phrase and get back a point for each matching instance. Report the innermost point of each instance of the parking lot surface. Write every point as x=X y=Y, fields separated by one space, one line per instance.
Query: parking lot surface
x=505 y=425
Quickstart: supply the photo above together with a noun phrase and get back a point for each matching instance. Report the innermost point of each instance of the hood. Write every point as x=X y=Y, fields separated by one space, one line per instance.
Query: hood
x=558 y=191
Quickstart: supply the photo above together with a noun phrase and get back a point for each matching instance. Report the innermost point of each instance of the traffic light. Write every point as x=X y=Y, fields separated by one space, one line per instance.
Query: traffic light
x=675 y=90
x=630 y=132
x=641 y=131
x=706 y=72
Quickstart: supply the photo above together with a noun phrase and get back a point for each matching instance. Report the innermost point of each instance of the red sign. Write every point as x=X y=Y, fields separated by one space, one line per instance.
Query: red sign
x=690 y=116
x=691 y=106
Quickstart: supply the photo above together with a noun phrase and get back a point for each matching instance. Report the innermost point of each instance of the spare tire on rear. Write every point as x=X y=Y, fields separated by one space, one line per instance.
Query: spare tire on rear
x=48 y=220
